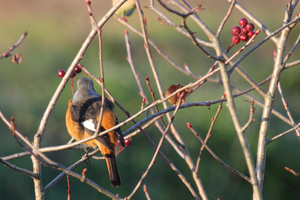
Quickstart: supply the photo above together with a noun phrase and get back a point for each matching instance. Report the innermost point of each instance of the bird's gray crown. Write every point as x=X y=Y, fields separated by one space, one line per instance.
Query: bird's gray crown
x=85 y=90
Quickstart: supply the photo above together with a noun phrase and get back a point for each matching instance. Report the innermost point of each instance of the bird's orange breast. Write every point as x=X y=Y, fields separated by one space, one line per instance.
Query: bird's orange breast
x=74 y=129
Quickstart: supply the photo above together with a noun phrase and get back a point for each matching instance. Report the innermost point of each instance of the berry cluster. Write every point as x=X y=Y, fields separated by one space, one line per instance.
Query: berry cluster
x=61 y=73
x=242 y=32
x=127 y=142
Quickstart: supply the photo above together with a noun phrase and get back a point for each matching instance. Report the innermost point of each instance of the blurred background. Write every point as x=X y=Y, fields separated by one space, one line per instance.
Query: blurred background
x=56 y=31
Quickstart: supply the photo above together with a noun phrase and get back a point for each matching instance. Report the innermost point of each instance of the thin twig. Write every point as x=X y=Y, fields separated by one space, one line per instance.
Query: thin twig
x=8 y=53
x=225 y=18
x=94 y=24
x=213 y=121
x=69 y=188
x=135 y=74
x=291 y=64
x=157 y=110
x=283 y=134
x=216 y=157
x=129 y=58
x=72 y=167
x=146 y=192
x=164 y=55
x=259 y=103
x=144 y=127
x=291 y=51
x=155 y=154
x=168 y=21
x=174 y=168
x=19 y=169
x=286 y=107
x=191 y=33
x=251 y=119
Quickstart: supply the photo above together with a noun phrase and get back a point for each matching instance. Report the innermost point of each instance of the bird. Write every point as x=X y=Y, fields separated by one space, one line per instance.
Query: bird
x=82 y=117
x=126 y=9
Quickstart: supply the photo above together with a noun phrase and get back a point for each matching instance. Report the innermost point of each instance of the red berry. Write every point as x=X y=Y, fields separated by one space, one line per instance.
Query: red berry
x=61 y=73
x=236 y=30
x=244 y=37
x=77 y=69
x=119 y=143
x=73 y=74
x=243 y=22
x=250 y=27
x=244 y=30
x=235 y=39
x=127 y=141
x=250 y=34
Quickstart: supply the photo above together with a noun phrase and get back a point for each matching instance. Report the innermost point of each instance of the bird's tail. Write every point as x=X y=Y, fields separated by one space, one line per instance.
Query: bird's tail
x=113 y=169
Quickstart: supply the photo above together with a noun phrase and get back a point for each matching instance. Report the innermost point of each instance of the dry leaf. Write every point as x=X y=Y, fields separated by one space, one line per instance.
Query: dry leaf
x=174 y=99
x=16 y=58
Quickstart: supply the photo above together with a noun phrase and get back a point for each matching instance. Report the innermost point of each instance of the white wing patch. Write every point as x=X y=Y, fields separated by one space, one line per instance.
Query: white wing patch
x=89 y=124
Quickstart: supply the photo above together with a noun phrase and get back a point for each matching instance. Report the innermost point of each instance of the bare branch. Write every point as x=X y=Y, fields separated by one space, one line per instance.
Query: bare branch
x=251 y=119
x=72 y=167
x=19 y=169
x=269 y=99
x=225 y=18
x=183 y=70
x=283 y=134
x=213 y=121
x=94 y=23
x=191 y=33
x=292 y=64
x=216 y=157
x=155 y=154
x=291 y=52
x=146 y=192
x=8 y=53
x=141 y=92
x=286 y=107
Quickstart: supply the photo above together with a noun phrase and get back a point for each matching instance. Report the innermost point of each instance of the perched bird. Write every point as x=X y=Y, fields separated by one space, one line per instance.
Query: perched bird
x=126 y=9
x=82 y=118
